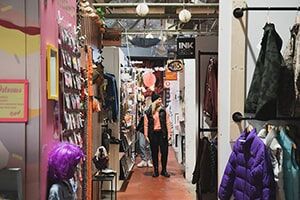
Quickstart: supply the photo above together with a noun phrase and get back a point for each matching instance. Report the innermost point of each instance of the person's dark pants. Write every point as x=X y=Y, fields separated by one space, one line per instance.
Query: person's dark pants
x=157 y=141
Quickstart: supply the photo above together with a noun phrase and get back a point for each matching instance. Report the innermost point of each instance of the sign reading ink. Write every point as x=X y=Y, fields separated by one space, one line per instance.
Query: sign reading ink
x=185 y=47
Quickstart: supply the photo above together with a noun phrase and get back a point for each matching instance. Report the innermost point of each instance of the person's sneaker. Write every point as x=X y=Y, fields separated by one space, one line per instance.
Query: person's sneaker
x=165 y=174
x=150 y=163
x=142 y=164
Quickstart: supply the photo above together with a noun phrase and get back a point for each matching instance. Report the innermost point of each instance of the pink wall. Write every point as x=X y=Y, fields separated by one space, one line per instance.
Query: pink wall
x=20 y=59
x=49 y=35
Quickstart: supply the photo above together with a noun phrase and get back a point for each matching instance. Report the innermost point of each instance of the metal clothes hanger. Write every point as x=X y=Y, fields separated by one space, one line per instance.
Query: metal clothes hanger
x=268 y=12
x=297 y=18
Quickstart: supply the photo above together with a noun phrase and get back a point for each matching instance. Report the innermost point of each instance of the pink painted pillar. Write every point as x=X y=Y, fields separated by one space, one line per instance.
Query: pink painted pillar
x=49 y=35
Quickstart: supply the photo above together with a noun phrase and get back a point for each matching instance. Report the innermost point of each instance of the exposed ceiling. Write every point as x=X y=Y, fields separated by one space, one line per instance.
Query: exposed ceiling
x=162 y=20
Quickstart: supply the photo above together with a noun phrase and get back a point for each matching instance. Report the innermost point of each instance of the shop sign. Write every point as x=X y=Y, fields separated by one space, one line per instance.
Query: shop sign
x=186 y=47
x=13 y=100
x=170 y=76
x=175 y=65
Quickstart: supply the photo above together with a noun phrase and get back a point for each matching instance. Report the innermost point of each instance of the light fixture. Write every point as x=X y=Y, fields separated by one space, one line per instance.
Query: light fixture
x=162 y=38
x=130 y=37
x=149 y=36
x=185 y=16
x=142 y=9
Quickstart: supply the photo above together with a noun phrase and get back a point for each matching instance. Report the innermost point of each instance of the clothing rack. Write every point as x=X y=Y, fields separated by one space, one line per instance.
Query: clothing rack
x=239 y=12
x=213 y=129
x=200 y=122
x=207 y=53
x=238 y=117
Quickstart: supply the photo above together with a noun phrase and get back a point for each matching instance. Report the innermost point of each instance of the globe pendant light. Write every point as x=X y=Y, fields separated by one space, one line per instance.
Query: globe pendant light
x=142 y=9
x=185 y=16
x=149 y=79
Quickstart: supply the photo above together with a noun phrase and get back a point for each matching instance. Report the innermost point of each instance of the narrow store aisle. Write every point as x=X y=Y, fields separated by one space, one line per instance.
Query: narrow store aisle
x=143 y=186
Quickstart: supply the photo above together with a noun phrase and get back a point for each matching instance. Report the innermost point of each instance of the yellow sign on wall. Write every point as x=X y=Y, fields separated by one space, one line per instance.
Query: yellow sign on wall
x=13 y=101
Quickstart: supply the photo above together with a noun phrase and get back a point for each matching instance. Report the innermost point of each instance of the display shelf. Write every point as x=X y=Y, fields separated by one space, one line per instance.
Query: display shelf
x=130 y=145
x=126 y=166
x=131 y=167
x=72 y=100
x=114 y=59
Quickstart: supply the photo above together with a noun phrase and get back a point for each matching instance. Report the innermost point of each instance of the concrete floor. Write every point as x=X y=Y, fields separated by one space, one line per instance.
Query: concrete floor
x=142 y=185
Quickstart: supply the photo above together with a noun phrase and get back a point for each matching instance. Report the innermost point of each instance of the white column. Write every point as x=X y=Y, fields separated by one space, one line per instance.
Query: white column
x=191 y=115
x=224 y=148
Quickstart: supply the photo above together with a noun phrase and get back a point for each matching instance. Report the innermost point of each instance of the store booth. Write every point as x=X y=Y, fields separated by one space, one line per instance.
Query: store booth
x=75 y=72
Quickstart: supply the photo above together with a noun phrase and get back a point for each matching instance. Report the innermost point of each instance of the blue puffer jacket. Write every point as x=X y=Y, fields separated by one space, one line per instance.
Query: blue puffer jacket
x=248 y=174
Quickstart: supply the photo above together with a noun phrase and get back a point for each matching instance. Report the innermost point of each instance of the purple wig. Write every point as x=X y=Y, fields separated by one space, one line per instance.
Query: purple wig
x=63 y=159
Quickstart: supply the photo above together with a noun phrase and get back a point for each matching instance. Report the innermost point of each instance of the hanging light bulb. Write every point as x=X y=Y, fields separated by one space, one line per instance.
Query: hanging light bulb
x=130 y=37
x=149 y=36
x=162 y=37
x=142 y=9
x=185 y=16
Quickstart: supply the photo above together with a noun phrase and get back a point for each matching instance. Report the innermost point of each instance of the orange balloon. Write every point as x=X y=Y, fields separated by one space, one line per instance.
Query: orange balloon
x=149 y=79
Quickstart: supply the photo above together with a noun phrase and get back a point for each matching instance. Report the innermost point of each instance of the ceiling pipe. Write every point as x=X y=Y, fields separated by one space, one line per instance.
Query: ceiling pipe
x=172 y=32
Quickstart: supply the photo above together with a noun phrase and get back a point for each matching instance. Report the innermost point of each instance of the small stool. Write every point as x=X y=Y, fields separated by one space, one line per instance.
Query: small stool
x=107 y=177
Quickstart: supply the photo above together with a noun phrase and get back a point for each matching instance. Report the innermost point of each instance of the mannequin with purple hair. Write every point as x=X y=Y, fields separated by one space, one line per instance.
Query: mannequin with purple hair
x=62 y=163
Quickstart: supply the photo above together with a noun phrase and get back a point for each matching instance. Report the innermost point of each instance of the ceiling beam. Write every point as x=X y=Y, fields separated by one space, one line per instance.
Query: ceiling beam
x=157 y=16
x=131 y=10
x=187 y=5
x=158 y=10
x=172 y=32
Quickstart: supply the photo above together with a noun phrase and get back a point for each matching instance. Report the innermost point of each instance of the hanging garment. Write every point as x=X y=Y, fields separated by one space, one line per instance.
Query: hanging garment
x=213 y=166
x=248 y=174
x=294 y=136
x=263 y=95
x=205 y=172
x=291 y=172
x=210 y=108
x=275 y=150
x=111 y=96
x=292 y=59
x=98 y=80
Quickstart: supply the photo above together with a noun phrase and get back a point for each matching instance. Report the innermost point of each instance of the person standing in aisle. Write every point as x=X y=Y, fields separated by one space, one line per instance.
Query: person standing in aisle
x=157 y=130
x=145 y=151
